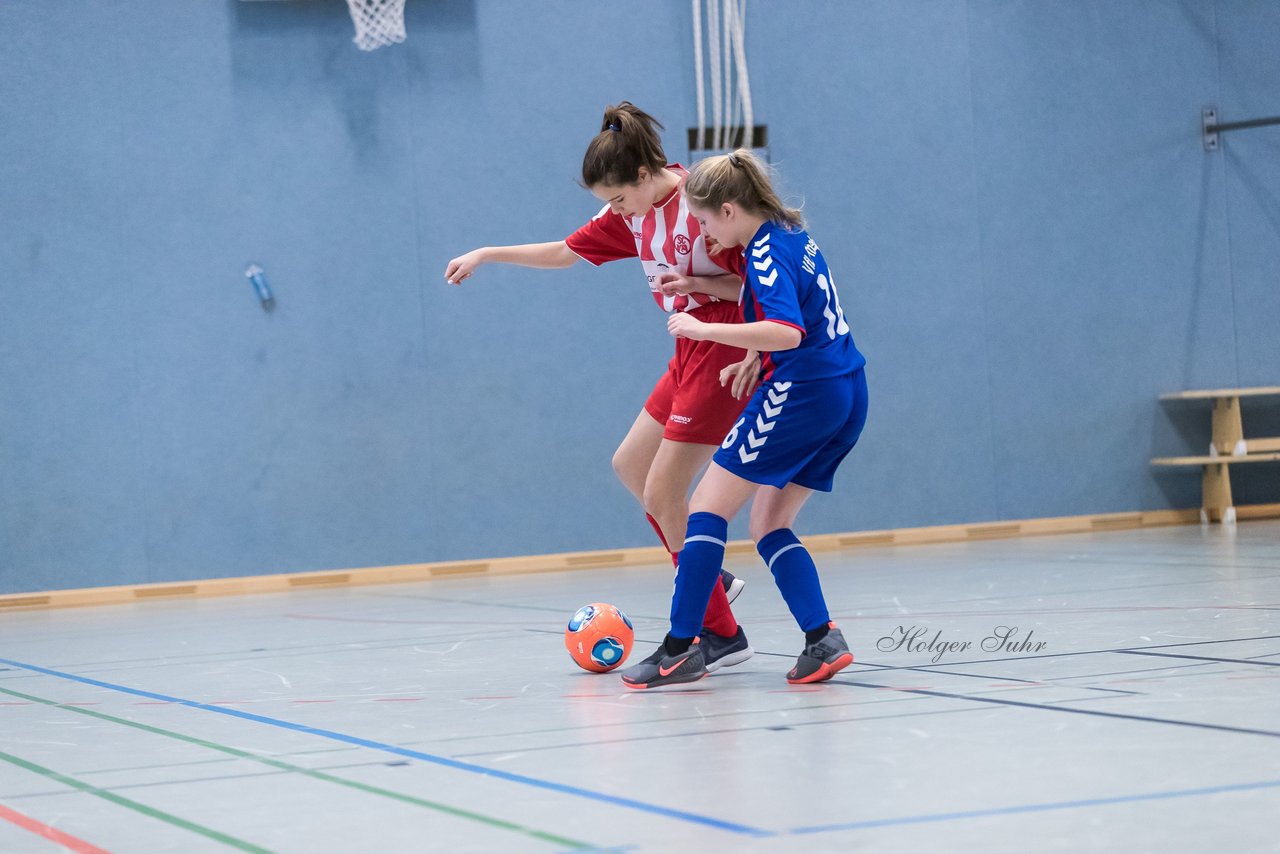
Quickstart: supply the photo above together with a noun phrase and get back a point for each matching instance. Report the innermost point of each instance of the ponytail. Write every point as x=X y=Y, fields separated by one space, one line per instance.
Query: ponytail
x=740 y=178
x=628 y=139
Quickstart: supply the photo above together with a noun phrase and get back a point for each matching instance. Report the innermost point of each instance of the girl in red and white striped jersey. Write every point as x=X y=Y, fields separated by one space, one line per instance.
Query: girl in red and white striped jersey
x=706 y=384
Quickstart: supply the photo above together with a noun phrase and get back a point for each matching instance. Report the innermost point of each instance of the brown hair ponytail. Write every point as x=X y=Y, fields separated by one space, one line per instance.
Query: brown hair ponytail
x=740 y=178
x=628 y=139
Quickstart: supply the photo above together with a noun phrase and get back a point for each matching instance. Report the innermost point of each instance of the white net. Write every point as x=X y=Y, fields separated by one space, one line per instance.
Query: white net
x=378 y=22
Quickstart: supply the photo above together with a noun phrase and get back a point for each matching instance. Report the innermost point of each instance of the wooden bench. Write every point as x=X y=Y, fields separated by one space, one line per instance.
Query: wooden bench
x=1227 y=447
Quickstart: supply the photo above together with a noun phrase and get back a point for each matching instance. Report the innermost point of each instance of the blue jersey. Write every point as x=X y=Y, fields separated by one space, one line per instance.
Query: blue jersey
x=787 y=281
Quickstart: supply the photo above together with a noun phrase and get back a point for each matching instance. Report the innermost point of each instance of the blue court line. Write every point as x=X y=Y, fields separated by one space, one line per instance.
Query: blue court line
x=1045 y=707
x=1026 y=808
x=507 y=776
x=1199 y=657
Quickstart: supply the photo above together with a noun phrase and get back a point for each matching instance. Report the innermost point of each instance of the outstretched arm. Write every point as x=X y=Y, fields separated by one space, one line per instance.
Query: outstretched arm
x=547 y=256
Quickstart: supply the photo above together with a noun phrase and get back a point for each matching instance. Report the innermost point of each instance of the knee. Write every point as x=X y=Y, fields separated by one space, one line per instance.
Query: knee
x=758 y=528
x=624 y=466
x=761 y=525
x=661 y=503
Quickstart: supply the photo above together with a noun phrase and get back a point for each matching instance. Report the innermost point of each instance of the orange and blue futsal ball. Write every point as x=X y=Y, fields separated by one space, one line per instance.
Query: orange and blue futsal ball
x=599 y=637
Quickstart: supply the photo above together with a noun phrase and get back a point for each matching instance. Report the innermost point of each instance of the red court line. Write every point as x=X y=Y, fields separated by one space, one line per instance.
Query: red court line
x=66 y=840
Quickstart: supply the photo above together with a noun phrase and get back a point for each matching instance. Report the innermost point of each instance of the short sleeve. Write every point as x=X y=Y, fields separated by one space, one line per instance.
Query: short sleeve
x=607 y=237
x=730 y=260
x=773 y=280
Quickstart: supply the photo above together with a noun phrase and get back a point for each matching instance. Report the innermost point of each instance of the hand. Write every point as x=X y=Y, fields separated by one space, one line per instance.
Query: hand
x=462 y=267
x=674 y=284
x=713 y=248
x=745 y=376
x=681 y=325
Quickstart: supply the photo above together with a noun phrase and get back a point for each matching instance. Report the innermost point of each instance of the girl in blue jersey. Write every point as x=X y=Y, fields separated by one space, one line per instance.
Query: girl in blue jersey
x=804 y=418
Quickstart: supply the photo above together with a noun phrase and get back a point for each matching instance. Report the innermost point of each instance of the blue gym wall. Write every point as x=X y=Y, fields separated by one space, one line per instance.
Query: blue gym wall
x=1031 y=245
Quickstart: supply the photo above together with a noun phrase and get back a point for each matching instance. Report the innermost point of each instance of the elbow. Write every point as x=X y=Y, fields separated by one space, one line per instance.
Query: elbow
x=567 y=256
x=789 y=338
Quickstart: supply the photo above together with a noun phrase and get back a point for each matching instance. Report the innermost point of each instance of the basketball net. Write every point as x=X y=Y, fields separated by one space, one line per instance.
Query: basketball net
x=378 y=22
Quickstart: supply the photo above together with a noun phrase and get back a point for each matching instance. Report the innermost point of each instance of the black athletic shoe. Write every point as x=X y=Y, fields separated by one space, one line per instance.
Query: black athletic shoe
x=661 y=669
x=732 y=584
x=720 y=651
x=822 y=660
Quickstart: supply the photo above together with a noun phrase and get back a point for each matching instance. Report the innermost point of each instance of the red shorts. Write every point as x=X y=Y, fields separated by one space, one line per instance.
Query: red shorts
x=689 y=401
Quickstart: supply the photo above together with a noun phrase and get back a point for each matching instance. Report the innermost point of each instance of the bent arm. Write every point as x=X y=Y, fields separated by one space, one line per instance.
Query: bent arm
x=727 y=287
x=762 y=335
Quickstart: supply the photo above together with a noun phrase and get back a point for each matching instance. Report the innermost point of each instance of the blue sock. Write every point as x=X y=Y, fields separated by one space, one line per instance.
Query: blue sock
x=698 y=572
x=796 y=577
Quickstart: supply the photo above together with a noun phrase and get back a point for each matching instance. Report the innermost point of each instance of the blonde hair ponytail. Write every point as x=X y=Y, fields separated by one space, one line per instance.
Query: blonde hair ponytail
x=740 y=178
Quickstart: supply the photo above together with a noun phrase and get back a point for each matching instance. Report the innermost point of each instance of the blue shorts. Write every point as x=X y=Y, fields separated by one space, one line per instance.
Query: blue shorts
x=797 y=432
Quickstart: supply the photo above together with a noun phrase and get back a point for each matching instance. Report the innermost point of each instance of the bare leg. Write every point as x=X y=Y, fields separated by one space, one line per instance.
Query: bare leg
x=666 y=490
x=634 y=457
x=775 y=508
x=721 y=492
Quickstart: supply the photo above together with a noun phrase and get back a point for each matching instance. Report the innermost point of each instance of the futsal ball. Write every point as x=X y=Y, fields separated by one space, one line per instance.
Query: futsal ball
x=599 y=637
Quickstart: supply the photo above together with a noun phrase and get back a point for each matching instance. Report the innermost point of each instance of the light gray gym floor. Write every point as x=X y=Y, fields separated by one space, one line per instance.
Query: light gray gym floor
x=446 y=716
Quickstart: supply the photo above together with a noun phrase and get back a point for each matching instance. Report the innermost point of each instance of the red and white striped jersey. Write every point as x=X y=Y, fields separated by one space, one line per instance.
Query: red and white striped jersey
x=666 y=239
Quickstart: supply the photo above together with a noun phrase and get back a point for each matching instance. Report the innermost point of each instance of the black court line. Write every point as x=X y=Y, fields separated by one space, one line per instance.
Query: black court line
x=1201 y=657
x=344 y=648
x=670 y=720
x=1100 y=651
x=568 y=612
x=254 y=653
x=1166 y=669
x=705 y=732
x=1034 y=808
x=881 y=668
x=933 y=670
x=1102 y=590
x=118 y=787
x=1069 y=710
x=777 y=727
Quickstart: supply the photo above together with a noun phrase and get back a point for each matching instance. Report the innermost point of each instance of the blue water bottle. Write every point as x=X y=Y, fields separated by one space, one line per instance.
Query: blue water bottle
x=259 y=281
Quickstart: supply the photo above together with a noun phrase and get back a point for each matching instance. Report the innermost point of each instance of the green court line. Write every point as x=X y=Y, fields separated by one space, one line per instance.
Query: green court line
x=133 y=805
x=298 y=769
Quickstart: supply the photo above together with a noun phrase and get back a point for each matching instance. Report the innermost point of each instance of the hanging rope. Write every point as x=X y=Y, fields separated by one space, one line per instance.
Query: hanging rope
x=744 y=81
x=698 y=72
x=713 y=54
x=730 y=83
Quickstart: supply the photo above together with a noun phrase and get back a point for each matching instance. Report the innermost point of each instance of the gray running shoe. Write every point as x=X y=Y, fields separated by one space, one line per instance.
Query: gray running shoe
x=822 y=660
x=661 y=669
